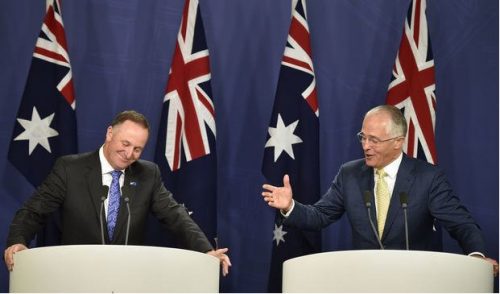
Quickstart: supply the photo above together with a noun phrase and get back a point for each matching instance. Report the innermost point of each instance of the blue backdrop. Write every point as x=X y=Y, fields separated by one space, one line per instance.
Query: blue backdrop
x=120 y=52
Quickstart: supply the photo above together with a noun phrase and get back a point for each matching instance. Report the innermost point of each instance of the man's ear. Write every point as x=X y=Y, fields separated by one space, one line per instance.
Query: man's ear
x=399 y=143
x=109 y=133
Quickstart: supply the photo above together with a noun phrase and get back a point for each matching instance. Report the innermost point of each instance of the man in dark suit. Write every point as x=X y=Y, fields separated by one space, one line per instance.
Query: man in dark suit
x=385 y=172
x=76 y=186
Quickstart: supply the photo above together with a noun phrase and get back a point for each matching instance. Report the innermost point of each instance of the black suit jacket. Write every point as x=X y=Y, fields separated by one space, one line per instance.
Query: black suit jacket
x=429 y=197
x=75 y=186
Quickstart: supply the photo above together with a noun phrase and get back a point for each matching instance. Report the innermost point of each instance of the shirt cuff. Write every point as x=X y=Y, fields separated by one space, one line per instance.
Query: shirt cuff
x=476 y=253
x=285 y=215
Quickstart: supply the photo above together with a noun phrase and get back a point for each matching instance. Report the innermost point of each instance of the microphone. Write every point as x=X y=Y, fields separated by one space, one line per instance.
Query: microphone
x=403 y=199
x=367 y=195
x=105 y=195
x=126 y=199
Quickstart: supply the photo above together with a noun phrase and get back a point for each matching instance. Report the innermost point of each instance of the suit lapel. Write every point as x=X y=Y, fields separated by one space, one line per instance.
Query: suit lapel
x=93 y=176
x=366 y=183
x=403 y=183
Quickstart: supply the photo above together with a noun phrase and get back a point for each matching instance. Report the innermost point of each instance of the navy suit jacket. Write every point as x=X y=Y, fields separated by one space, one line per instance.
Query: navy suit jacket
x=429 y=197
x=75 y=186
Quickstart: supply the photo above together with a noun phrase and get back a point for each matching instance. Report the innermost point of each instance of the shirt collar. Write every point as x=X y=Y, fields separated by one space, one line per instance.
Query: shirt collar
x=392 y=168
x=106 y=168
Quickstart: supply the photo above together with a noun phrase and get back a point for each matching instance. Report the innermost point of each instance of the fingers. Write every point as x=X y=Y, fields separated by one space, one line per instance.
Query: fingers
x=268 y=187
x=9 y=255
x=220 y=251
x=226 y=263
x=8 y=258
x=495 y=266
x=493 y=262
x=224 y=259
x=268 y=197
x=286 y=182
x=268 y=193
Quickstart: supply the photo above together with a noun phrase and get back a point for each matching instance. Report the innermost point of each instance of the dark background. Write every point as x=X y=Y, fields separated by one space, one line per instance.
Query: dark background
x=120 y=52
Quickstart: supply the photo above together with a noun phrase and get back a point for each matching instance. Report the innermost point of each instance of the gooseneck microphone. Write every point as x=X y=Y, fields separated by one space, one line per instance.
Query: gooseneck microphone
x=105 y=195
x=126 y=199
x=403 y=199
x=367 y=195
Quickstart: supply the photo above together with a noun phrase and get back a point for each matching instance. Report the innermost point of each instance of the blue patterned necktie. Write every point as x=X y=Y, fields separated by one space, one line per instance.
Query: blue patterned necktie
x=114 y=202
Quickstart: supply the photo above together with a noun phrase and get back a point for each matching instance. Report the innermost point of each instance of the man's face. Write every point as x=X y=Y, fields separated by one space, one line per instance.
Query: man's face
x=379 y=151
x=124 y=144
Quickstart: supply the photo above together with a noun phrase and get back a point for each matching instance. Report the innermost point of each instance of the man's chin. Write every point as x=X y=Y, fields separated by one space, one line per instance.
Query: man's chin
x=124 y=164
x=369 y=161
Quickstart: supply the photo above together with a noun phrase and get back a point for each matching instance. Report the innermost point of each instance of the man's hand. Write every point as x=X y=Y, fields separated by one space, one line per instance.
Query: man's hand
x=224 y=259
x=279 y=197
x=8 y=255
x=495 y=265
x=493 y=262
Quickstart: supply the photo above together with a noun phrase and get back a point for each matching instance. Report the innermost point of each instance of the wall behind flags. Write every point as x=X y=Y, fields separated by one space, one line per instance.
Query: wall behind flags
x=120 y=53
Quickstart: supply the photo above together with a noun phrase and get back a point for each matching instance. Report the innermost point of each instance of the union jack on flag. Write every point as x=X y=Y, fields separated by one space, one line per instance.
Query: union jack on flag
x=413 y=84
x=191 y=109
x=292 y=145
x=185 y=148
x=46 y=120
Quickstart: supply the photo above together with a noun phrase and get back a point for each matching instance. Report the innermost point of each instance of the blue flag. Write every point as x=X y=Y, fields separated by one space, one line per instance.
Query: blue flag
x=185 y=148
x=292 y=145
x=45 y=127
x=412 y=89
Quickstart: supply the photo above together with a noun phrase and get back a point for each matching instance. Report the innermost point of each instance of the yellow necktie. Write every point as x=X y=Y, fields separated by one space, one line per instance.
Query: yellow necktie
x=383 y=200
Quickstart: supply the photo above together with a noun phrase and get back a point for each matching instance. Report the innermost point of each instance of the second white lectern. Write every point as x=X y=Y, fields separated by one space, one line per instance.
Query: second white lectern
x=385 y=271
x=113 y=268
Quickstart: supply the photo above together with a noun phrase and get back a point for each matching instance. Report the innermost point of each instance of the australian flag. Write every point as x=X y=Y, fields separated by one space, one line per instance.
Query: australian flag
x=185 y=148
x=413 y=84
x=292 y=145
x=412 y=89
x=45 y=127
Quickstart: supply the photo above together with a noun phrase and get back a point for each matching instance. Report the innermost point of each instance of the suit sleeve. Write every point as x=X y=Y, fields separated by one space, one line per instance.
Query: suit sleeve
x=176 y=219
x=325 y=211
x=445 y=206
x=47 y=198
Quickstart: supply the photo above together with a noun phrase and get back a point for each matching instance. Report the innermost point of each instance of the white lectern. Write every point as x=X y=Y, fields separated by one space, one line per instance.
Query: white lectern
x=113 y=268
x=387 y=271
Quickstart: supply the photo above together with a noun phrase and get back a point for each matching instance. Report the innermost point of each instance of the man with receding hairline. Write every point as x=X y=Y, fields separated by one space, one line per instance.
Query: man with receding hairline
x=385 y=172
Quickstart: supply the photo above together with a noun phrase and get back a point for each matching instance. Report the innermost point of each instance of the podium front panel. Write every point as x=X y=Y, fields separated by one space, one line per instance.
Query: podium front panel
x=387 y=271
x=113 y=268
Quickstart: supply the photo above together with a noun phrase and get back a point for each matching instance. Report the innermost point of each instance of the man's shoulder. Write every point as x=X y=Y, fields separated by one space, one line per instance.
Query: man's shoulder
x=418 y=164
x=79 y=158
x=354 y=164
x=143 y=165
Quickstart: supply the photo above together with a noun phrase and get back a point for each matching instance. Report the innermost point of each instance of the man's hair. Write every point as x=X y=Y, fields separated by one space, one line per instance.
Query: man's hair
x=398 y=126
x=131 y=115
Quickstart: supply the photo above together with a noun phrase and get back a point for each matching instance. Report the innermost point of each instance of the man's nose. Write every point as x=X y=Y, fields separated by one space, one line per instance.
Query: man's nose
x=129 y=152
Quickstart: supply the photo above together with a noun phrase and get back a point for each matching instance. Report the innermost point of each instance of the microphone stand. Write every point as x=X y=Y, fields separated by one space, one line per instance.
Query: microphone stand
x=126 y=199
x=101 y=222
x=403 y=198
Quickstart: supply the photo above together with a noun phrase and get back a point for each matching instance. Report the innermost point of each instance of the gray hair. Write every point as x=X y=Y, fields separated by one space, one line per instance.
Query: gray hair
x=398 y=125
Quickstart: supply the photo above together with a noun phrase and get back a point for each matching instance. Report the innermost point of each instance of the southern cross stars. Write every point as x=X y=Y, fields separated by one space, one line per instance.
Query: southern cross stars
x=282 y=138
x=279 y=234
x=37 y=131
